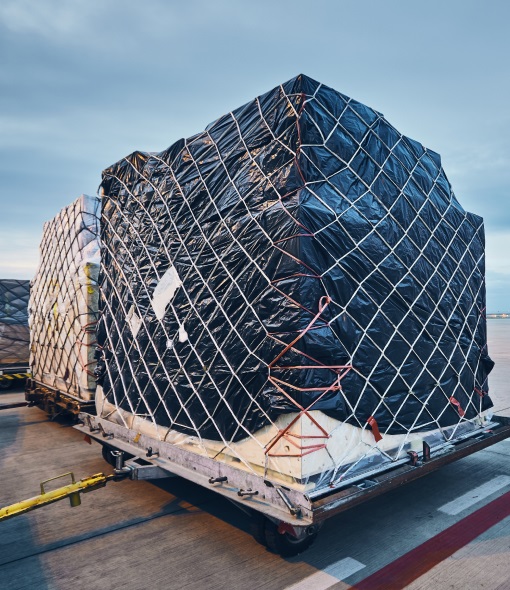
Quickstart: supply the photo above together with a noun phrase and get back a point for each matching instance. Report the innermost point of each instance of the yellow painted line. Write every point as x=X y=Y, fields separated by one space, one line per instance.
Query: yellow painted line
x=12 y=376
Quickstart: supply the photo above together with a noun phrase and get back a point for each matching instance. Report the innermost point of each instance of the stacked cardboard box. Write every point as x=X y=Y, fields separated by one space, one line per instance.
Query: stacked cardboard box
x=64 y=301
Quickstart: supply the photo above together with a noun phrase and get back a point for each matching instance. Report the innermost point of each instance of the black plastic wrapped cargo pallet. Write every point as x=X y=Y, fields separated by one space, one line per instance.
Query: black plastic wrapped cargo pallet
x=298 y=195
x=14 y=333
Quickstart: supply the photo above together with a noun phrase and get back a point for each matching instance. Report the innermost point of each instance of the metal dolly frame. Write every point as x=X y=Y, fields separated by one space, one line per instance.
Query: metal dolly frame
x=296 y=516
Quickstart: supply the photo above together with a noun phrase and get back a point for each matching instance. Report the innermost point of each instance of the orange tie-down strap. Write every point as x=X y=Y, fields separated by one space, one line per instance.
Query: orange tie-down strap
x=339 y=372
x=456 y=403
x=372 y=422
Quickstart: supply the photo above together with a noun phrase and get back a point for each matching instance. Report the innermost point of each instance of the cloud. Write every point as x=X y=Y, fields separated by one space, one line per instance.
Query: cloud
x=498 y=288
x=47 y=17
x=19 y=242
x=480 y=176
x=85 y=82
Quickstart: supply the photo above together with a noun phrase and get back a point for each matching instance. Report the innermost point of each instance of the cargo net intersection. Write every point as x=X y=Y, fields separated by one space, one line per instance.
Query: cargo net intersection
x=299 y=255
x=64 y=300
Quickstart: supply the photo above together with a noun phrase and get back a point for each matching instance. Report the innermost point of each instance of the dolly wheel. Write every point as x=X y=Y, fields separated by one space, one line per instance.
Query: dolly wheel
x=284 y=543
x=258 y=527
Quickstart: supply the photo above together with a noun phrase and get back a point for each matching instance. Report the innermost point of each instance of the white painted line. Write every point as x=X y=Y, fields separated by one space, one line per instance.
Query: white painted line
x=330 y=576
x=474 y=496
x=344 y=568
x=317 y=581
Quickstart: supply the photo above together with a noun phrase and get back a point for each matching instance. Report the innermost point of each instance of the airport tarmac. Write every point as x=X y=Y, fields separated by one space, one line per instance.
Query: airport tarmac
x=450 y=529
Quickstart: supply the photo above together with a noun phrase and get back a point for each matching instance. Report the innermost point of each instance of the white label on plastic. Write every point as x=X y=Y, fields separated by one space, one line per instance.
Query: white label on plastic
x=170 y=344
x=165 y=291
x=134 y=321
x=183 y=335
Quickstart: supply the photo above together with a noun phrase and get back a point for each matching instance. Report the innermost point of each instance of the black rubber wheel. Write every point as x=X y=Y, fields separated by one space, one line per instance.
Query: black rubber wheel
x=285 y=544
x=258 y=528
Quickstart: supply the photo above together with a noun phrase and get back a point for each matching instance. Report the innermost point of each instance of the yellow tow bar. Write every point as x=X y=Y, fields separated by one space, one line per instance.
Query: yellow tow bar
x=71 y=491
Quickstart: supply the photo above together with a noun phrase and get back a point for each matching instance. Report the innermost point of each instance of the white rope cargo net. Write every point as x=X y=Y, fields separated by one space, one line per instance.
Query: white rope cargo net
x=64 y=301
x=236 y=319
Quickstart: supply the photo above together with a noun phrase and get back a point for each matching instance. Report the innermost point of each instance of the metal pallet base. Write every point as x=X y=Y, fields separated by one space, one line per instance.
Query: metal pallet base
x=155 y=459
x=55 y=402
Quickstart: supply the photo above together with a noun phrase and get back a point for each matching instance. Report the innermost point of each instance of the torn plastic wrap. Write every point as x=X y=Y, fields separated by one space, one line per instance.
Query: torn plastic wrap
x=64 y=300
x=299 y=259
x=14 y=335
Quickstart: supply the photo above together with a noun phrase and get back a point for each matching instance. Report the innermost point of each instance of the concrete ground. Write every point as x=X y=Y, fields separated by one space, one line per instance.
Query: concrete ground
x=172 y=534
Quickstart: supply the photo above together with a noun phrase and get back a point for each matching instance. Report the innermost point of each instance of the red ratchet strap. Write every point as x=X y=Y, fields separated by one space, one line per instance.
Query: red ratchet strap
x=372 y=422
x=480 y=392
x=456 y=403
x=298 y=440
x=87 y=329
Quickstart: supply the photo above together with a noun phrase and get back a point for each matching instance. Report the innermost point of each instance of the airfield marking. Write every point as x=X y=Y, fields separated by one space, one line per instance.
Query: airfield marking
x=475 y=495
x=409 y=567
x=329 y=576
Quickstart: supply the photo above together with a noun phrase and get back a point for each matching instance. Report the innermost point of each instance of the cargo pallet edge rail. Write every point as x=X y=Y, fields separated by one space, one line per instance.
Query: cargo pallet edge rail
x=286 y=521
x=53 y=401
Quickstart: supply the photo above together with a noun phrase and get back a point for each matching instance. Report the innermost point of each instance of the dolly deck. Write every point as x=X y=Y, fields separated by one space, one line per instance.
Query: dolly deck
x=298 y=515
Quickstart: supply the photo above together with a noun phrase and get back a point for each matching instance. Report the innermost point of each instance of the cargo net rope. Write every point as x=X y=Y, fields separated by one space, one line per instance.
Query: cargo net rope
x=14 y=336
x=297 y=287
x=64 y=300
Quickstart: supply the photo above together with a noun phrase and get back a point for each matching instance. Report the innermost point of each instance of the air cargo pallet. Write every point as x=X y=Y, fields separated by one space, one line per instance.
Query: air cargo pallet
x=285 y=520
x=55 y=402
x=9 y=376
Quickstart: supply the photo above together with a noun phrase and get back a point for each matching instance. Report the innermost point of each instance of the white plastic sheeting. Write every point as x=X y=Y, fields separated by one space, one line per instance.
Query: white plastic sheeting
x=64 y=300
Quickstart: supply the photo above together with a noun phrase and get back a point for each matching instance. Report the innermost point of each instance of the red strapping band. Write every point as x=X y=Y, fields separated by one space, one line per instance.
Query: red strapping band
x=340 y=371
x=372 y=422
x=456 y=403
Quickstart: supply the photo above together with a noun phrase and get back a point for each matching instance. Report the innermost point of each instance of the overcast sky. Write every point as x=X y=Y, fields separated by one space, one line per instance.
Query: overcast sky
x=85 y=82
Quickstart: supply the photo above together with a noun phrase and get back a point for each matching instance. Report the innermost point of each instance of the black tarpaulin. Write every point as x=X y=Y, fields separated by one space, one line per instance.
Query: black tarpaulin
x=14 y=335
x=299 y=253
